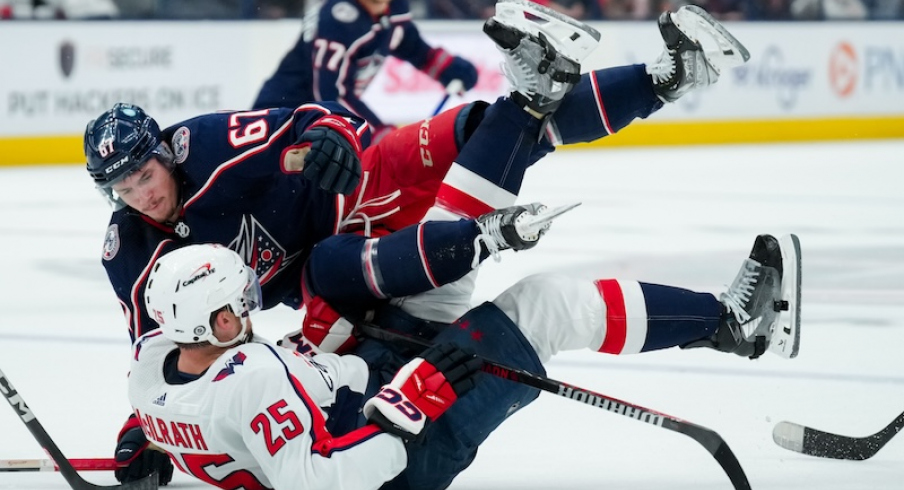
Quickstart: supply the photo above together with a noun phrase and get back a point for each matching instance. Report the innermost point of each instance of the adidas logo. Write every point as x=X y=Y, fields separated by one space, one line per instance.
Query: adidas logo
x=161 y=400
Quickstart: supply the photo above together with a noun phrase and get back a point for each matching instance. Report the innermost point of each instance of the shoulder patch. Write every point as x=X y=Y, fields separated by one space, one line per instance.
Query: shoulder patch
x=111 y=242
x=181 y=139
x=344 y=12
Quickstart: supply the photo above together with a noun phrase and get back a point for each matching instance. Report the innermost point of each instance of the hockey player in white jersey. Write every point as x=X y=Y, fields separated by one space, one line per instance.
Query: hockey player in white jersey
x=238 y=412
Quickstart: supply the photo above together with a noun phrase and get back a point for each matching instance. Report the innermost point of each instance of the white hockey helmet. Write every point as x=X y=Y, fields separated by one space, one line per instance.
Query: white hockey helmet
x=187 y=285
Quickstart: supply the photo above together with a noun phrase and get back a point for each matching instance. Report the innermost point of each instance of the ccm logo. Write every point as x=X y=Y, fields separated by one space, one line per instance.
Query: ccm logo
x=118 y=164
x=17 y=403
x=423 y=141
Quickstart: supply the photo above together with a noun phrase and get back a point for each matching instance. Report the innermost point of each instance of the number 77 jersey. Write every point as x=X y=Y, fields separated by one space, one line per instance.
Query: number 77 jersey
x=239 y=184
x=257 y=418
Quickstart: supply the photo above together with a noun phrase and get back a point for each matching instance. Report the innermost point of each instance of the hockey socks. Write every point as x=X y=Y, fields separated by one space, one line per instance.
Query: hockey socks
x=642 y=317
x=602 y=103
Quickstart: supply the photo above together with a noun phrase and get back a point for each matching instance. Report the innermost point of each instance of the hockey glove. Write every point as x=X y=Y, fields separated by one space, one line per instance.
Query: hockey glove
x=136 y=458
x=423 y=389
x=446 y=67
x=333 y=161
x=326 y=328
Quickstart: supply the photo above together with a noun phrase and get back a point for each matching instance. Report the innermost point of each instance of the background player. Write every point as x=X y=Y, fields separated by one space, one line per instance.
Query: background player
x=342 y=47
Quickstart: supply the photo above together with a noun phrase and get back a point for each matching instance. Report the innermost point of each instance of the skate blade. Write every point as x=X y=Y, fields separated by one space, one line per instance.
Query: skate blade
x=694 y=21
x=572 y=39
x=785 y=340
x=531 y=225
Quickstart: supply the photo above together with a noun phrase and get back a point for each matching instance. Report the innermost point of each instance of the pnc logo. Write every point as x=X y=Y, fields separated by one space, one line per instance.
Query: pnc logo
x=843 y=68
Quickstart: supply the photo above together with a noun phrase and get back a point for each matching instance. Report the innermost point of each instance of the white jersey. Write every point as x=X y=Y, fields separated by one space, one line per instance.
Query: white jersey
x=254 y=419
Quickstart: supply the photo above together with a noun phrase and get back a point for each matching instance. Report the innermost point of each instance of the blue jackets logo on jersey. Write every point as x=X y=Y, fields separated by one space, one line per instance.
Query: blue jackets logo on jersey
x=260 y=250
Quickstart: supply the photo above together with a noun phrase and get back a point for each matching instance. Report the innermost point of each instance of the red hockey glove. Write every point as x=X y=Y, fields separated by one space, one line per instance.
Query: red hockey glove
x=326 y=328
x=136 y=458
x=423 y=389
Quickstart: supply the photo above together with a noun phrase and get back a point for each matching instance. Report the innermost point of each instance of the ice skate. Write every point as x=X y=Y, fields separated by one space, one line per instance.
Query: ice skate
x=762 y=305
x=517 y=227
x=685 y=64
x=785 y=339
x=543 y=52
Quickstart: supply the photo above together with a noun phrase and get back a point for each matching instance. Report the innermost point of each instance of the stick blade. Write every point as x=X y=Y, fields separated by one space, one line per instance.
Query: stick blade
x=150 y=482
x=789 y=436
x=813 y=442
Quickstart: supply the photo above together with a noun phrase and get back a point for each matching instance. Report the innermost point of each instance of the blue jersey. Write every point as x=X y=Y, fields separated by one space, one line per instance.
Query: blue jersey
x=341 y=49
x=235 y=192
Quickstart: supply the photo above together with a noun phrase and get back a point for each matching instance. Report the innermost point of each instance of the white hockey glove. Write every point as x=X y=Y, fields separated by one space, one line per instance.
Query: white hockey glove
x=422 y=389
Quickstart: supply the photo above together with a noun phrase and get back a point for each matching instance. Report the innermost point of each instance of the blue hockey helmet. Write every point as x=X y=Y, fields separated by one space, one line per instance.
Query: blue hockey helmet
x=118 y=143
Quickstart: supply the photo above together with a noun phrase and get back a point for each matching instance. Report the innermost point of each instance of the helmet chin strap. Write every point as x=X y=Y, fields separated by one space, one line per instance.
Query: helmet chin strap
x=240 y=338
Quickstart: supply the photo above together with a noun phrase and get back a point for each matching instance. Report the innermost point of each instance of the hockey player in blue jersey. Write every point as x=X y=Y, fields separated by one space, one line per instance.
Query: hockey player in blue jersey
x=243 y=179
x=236 y=178
x=342 y=47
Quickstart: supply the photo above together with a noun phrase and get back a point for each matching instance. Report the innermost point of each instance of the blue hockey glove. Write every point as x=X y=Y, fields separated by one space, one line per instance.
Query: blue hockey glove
x=333 y=161
x=136 y=458
x=446 y=67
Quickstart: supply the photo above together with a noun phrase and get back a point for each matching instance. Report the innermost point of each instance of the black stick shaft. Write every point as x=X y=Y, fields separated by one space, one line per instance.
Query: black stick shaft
x=37 y=431
x=708 y=438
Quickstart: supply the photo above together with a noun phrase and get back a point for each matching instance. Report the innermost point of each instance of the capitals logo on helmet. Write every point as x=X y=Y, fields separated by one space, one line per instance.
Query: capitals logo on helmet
x=187 y=286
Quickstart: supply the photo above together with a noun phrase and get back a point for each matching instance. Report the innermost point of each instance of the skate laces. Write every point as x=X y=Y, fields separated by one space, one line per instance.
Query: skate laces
x=491 y=236
x=536 y=69
x=518 y=72
x=663 y=69
x=738 y=295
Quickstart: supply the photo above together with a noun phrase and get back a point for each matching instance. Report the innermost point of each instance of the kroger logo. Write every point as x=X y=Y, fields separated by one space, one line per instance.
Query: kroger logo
x=772 y=73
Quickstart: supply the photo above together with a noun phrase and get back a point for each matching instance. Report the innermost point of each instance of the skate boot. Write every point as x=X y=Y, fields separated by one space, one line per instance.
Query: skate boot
x=543 y=52
x=762 y=305
x=516 y=227
x=684 y=65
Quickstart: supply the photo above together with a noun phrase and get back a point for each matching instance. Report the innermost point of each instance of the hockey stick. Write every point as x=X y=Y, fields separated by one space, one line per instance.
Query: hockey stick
x=69 y=473
x=82 y=464
x=454 y=87
x=813 y=442
x=708 y=438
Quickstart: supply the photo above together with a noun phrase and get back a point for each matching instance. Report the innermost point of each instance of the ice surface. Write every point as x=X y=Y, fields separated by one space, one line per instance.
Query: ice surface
x=683 y=217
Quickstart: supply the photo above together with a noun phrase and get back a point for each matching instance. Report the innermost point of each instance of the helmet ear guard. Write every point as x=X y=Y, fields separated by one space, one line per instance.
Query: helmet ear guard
x=186 y=286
